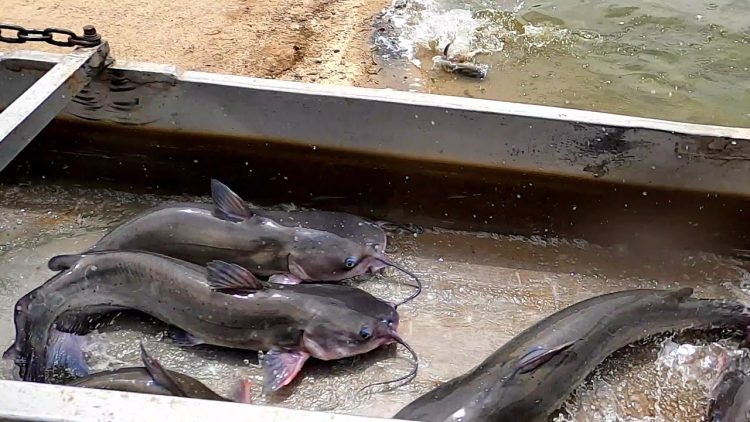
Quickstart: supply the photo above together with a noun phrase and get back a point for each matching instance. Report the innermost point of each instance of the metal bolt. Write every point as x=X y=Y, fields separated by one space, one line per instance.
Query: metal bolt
x=89 y=33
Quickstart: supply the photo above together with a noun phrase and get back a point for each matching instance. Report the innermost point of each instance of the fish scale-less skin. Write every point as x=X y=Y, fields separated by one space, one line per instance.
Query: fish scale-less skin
x=599 y=326
x=259 y=244
x=732 y=403
x=138 y=380
x=274 y=317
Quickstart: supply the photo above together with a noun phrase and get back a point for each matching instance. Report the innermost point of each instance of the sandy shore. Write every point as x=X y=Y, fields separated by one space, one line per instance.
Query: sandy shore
x=324 y=41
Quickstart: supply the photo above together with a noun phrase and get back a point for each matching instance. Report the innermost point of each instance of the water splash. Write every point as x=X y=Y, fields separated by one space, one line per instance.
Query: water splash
x=422 y=27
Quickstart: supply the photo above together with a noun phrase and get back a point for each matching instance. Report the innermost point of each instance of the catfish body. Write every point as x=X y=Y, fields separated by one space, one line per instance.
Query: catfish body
x=230 y=231
x=153 y=378
x=534 y=373
x=732 y=399
x=295 y=321
x=139 y=380
x=342 y=224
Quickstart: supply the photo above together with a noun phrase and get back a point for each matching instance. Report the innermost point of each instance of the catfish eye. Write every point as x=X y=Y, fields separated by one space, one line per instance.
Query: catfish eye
x=365 y=333
x=350 y=262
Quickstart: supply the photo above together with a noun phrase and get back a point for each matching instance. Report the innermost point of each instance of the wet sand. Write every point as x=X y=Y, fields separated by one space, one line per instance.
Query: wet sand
x=480 y=290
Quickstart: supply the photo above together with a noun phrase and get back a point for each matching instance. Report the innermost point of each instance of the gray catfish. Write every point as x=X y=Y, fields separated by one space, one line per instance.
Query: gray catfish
x=230 y=231
x=153 y=378
x=223 y=305
x=348 y=226
x=530 y=376
x=732 y=398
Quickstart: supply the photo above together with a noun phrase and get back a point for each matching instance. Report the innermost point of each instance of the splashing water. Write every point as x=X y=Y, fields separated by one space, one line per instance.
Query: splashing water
x=679 y=60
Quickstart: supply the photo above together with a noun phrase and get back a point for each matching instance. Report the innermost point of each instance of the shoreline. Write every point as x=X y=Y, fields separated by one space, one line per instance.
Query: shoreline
x=321 y=41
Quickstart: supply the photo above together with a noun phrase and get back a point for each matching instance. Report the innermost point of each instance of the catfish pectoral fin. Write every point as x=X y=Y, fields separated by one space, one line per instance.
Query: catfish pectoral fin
x=280 y=368
x=225 y=276
x=538 y=356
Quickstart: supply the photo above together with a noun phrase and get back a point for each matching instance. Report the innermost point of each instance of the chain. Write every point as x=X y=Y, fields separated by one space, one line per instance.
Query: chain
x=54 y=36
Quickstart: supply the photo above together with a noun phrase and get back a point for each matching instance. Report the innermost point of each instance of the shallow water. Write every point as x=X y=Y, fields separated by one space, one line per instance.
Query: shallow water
x=682 y=60
x=480 y=290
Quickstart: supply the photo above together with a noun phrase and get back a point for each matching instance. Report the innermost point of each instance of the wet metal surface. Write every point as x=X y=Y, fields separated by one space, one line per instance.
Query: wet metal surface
x=480 y=290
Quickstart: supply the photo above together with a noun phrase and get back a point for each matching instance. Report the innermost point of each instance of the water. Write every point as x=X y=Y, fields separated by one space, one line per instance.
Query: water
x=683 y=60
x=480 y=290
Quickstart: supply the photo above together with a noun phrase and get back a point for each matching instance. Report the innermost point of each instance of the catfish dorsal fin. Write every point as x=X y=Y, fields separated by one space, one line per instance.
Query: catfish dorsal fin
x=445 y=50
x=227 y=204
x=160 y=375
x=679 y=294
x=225 y=276
x=63 y=262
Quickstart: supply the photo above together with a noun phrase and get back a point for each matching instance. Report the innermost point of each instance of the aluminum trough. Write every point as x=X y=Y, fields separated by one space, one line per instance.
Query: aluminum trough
x=480 y=165
x=413 y=158
x=41 y=402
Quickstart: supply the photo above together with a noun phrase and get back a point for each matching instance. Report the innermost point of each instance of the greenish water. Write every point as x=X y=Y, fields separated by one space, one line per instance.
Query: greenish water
x=682 y=60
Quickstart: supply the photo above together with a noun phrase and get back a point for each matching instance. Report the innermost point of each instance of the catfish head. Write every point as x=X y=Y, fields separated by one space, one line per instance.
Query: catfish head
x=336 y=332
x=323 y=256
x=348 y=333
x=312 y=255
x=344 y=332
x=331 y=258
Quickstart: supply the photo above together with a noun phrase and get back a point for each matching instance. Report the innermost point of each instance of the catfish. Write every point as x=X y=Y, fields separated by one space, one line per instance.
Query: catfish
x=153 y=378
x=731 y=397
x=531 y=376
x=222 y=304
x=230 y=231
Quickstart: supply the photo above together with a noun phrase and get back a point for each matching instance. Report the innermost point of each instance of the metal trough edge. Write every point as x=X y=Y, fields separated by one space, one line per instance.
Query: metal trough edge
x=22 y=401
x=464 y=104
x=408 y=98
x=453 y=131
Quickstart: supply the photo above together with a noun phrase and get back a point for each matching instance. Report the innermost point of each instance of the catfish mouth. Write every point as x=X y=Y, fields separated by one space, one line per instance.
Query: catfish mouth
x=385 y=336
x=368 y=264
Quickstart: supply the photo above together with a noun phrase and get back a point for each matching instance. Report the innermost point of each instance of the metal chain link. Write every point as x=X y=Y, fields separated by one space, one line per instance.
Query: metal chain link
x=68 y=38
